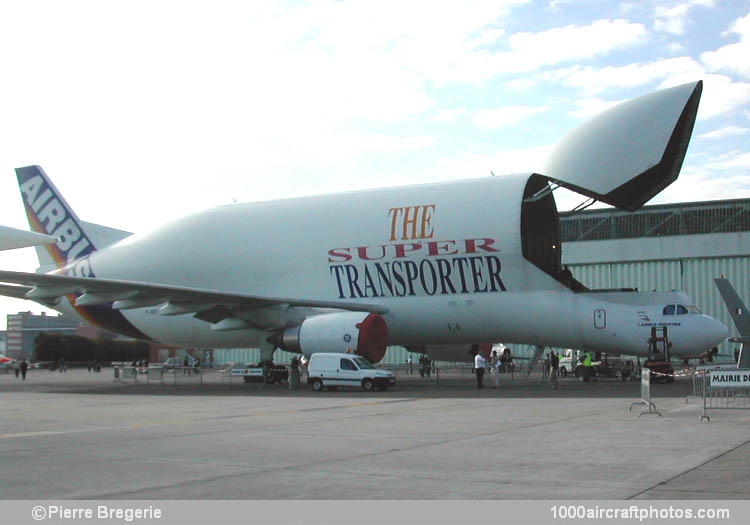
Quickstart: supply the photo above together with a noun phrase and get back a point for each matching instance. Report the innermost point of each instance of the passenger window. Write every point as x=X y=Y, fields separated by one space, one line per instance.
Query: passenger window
x=681 y=310
x=668 y=310
x=347 y=365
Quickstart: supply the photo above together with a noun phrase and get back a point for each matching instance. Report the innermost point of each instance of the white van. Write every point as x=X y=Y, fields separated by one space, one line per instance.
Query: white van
x=335 y=370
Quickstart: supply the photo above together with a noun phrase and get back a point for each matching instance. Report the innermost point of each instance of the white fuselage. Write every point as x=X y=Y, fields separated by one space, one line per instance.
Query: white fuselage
x=446 y=261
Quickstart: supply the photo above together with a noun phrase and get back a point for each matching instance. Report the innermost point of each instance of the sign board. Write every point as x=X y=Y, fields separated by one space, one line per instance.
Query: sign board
x=730 y=378
x=247 y=372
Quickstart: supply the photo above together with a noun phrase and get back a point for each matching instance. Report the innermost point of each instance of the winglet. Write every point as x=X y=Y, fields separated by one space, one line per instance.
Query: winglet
x=50 y=214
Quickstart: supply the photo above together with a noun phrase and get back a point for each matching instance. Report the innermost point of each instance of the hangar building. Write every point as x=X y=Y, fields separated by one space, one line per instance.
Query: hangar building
x=664 y=247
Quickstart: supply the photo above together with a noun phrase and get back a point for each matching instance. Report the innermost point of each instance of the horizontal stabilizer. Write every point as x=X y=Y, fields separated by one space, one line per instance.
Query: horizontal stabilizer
x=629 y=153
x=12 y=238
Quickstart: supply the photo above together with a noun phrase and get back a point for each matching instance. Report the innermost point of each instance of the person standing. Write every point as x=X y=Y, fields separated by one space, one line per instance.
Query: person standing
x=479 y=363
x=495 y=369
x=24 y=369
x=554 y=363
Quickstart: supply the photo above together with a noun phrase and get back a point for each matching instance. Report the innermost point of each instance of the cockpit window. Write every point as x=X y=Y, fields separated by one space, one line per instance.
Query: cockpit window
x=678 y=309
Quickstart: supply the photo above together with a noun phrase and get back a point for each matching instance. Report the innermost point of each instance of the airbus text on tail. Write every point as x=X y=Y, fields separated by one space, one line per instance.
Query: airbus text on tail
x=48 y=213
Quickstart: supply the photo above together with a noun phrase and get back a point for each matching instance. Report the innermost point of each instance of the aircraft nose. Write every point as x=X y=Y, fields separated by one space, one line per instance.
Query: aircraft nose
x=715 y=332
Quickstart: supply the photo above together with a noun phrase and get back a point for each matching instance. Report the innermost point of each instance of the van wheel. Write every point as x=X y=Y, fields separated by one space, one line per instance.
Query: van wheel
x=317 y=385
x=367 y=384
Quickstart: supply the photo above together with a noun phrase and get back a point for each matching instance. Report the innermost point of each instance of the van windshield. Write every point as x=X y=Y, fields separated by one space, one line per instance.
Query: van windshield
x=363 y=363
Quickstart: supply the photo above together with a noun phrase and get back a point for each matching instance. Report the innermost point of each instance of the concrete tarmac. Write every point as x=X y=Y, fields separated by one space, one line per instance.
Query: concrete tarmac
x=80 y=435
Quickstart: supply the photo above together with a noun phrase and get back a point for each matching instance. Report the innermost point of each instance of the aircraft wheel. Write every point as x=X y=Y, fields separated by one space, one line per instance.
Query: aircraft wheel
x=317 y=385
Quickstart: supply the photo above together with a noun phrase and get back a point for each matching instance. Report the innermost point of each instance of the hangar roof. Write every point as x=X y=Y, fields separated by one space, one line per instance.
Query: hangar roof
x=689 y=218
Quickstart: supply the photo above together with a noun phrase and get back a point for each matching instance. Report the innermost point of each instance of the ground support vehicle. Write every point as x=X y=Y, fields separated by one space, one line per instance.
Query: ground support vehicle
x=264 y=372
x=334 y=370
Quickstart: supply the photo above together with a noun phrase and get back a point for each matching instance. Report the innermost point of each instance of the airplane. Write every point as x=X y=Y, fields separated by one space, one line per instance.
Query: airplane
x=443 y=268
x=741 y=318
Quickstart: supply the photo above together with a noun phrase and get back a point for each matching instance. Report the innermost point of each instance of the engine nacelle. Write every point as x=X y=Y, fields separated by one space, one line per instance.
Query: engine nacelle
x=453 y=352
x=363 y=333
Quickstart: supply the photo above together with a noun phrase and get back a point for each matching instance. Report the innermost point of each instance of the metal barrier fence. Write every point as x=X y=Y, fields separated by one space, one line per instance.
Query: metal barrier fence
x=722 y=388
x=646 y=394
x=158 y=374
x=125 y=374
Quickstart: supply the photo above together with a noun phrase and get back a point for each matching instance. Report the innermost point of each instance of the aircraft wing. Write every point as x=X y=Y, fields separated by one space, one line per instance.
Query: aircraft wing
x=212 y=306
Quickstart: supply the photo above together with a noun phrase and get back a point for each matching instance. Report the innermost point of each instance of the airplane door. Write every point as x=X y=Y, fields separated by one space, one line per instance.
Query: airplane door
x=600 y=318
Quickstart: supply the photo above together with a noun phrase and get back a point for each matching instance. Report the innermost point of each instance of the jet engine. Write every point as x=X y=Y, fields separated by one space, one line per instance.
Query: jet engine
x=363 y=333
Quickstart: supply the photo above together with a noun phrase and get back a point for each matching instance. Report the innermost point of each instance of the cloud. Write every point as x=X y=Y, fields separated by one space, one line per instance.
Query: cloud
x=593 y=80
x=732 y=58
x=449 y=114
x=674 y=18
x=727 y=131
x=722 y=176
x=722 y=96
x=732 y=160
x=502 y=162
x=506 y=116
x=531 y=51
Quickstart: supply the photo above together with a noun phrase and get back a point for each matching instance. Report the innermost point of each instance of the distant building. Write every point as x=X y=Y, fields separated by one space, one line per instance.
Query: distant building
x=24 y=327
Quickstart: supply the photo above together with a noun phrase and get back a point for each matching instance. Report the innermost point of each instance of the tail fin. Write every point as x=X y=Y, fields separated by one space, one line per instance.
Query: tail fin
x=740 y=316
x=737 y=309
x=49 y=213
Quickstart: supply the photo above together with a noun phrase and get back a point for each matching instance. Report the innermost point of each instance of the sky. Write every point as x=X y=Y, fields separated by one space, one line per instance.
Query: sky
x=145 y=111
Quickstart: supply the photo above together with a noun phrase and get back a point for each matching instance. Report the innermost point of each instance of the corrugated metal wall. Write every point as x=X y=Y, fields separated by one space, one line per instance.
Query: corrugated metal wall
x=693 y=276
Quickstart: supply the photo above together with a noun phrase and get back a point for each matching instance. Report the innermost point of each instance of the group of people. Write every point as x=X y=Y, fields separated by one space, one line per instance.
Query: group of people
x=497 y=363
x=21 y=368
x=425 y=365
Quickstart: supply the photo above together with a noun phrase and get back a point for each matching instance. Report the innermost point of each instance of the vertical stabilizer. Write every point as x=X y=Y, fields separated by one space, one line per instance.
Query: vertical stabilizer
x=49 y=213
x=740 y=316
